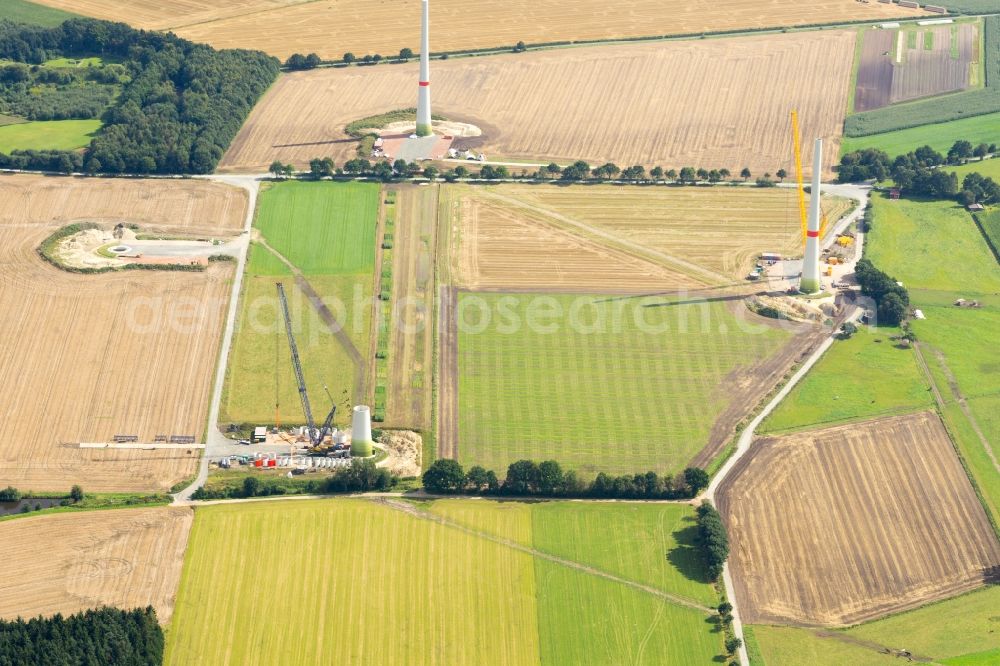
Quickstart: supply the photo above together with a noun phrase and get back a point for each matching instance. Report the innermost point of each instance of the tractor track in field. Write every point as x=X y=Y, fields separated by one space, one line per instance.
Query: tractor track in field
x=334 y=326
x=959 y=398
x=447 y=446
x=699 y=273
x=408 y=508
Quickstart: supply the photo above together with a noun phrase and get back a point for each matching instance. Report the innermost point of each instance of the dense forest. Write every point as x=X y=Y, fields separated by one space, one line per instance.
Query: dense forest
x=178 y=109
x=102 y=637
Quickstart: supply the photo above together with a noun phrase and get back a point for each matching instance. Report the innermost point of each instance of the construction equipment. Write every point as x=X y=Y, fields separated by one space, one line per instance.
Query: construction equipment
x=316 y=435
x=803 y=216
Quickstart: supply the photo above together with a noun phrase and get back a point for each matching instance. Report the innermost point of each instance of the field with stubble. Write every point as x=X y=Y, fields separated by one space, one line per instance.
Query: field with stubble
x=189 y=207
x=126 y=558
x=331 y=27
x=86 y=357
x=610 y=237
x=495 y=241
x=866 y=519
x=672 y=103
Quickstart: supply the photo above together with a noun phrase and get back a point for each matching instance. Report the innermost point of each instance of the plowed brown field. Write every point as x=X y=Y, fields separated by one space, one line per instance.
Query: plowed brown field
x=85 y=357
x=842 y=525
x=720 y=103
x=926 y=69
x=69 y=562
x=331 y=27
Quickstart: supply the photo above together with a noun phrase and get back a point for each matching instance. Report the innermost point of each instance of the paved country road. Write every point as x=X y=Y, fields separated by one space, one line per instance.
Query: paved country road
x=743 y=445
x=216 y=445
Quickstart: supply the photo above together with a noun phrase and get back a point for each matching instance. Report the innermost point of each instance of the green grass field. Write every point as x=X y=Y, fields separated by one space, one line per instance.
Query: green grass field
x=989 y=168
x=333 y=229
x=960 y=632
x=940 y=136
x=73 y=63
x=339 y=222
x=374 y=584
x=778 y=646
x=22 y=11
x=864 y=377
x=990 y=220
x=48 y=135
x=966 y=339
x=931 y=245
x=605 y=394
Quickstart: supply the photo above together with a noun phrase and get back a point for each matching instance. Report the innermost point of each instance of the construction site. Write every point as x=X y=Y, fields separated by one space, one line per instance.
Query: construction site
x=589 y=338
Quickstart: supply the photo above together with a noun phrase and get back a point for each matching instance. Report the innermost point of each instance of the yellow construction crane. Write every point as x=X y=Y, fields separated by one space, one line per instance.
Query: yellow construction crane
x=804 y=217
x=798 y=172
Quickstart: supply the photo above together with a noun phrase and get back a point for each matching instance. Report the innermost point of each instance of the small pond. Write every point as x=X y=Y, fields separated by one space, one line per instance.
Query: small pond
x=8 y=508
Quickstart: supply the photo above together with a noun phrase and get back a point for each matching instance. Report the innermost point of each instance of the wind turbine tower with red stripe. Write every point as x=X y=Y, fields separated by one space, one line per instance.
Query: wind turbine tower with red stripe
x=424 y=91
x=810 y=283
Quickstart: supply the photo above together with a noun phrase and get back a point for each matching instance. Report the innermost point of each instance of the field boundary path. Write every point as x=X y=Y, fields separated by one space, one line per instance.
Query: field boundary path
x=400 y=505
x=215 y=443
x=743 y=445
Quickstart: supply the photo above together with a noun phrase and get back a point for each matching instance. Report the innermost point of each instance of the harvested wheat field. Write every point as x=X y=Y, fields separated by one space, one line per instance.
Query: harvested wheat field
x=495 y=243
x=86 y=357
x=66 y=563
x=620 y=238
x=721 y=103
x=159 y=15
x=866 y=519
x=331 y=27
x=191 y=206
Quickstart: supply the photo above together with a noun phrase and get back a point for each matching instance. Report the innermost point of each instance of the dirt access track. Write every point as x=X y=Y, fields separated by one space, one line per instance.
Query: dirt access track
x=126 y=558
x=842 y=525
x=674 y=104
x=332 y=27
x=86 y=357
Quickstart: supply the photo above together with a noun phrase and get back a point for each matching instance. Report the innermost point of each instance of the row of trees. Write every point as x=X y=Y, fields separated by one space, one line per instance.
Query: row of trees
x=920 y=172
x=101 y=637
x=579 y=171
x=548 y=479
x=891 y=298
x=713 y=542
x=12 y=494
x=180 y=109
x=358 y=477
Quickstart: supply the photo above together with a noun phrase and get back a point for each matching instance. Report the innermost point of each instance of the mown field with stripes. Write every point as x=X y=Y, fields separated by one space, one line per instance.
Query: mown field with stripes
x=326 y=231
x=445 y=583
x=603 y=383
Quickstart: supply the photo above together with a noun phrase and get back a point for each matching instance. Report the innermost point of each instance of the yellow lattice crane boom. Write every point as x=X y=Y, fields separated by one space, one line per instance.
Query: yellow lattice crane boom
x=803 y=216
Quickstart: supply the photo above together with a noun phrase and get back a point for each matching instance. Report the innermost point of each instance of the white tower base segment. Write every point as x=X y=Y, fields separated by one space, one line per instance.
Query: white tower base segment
x=810 y=283
x=361 y=432
x=424 y=89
